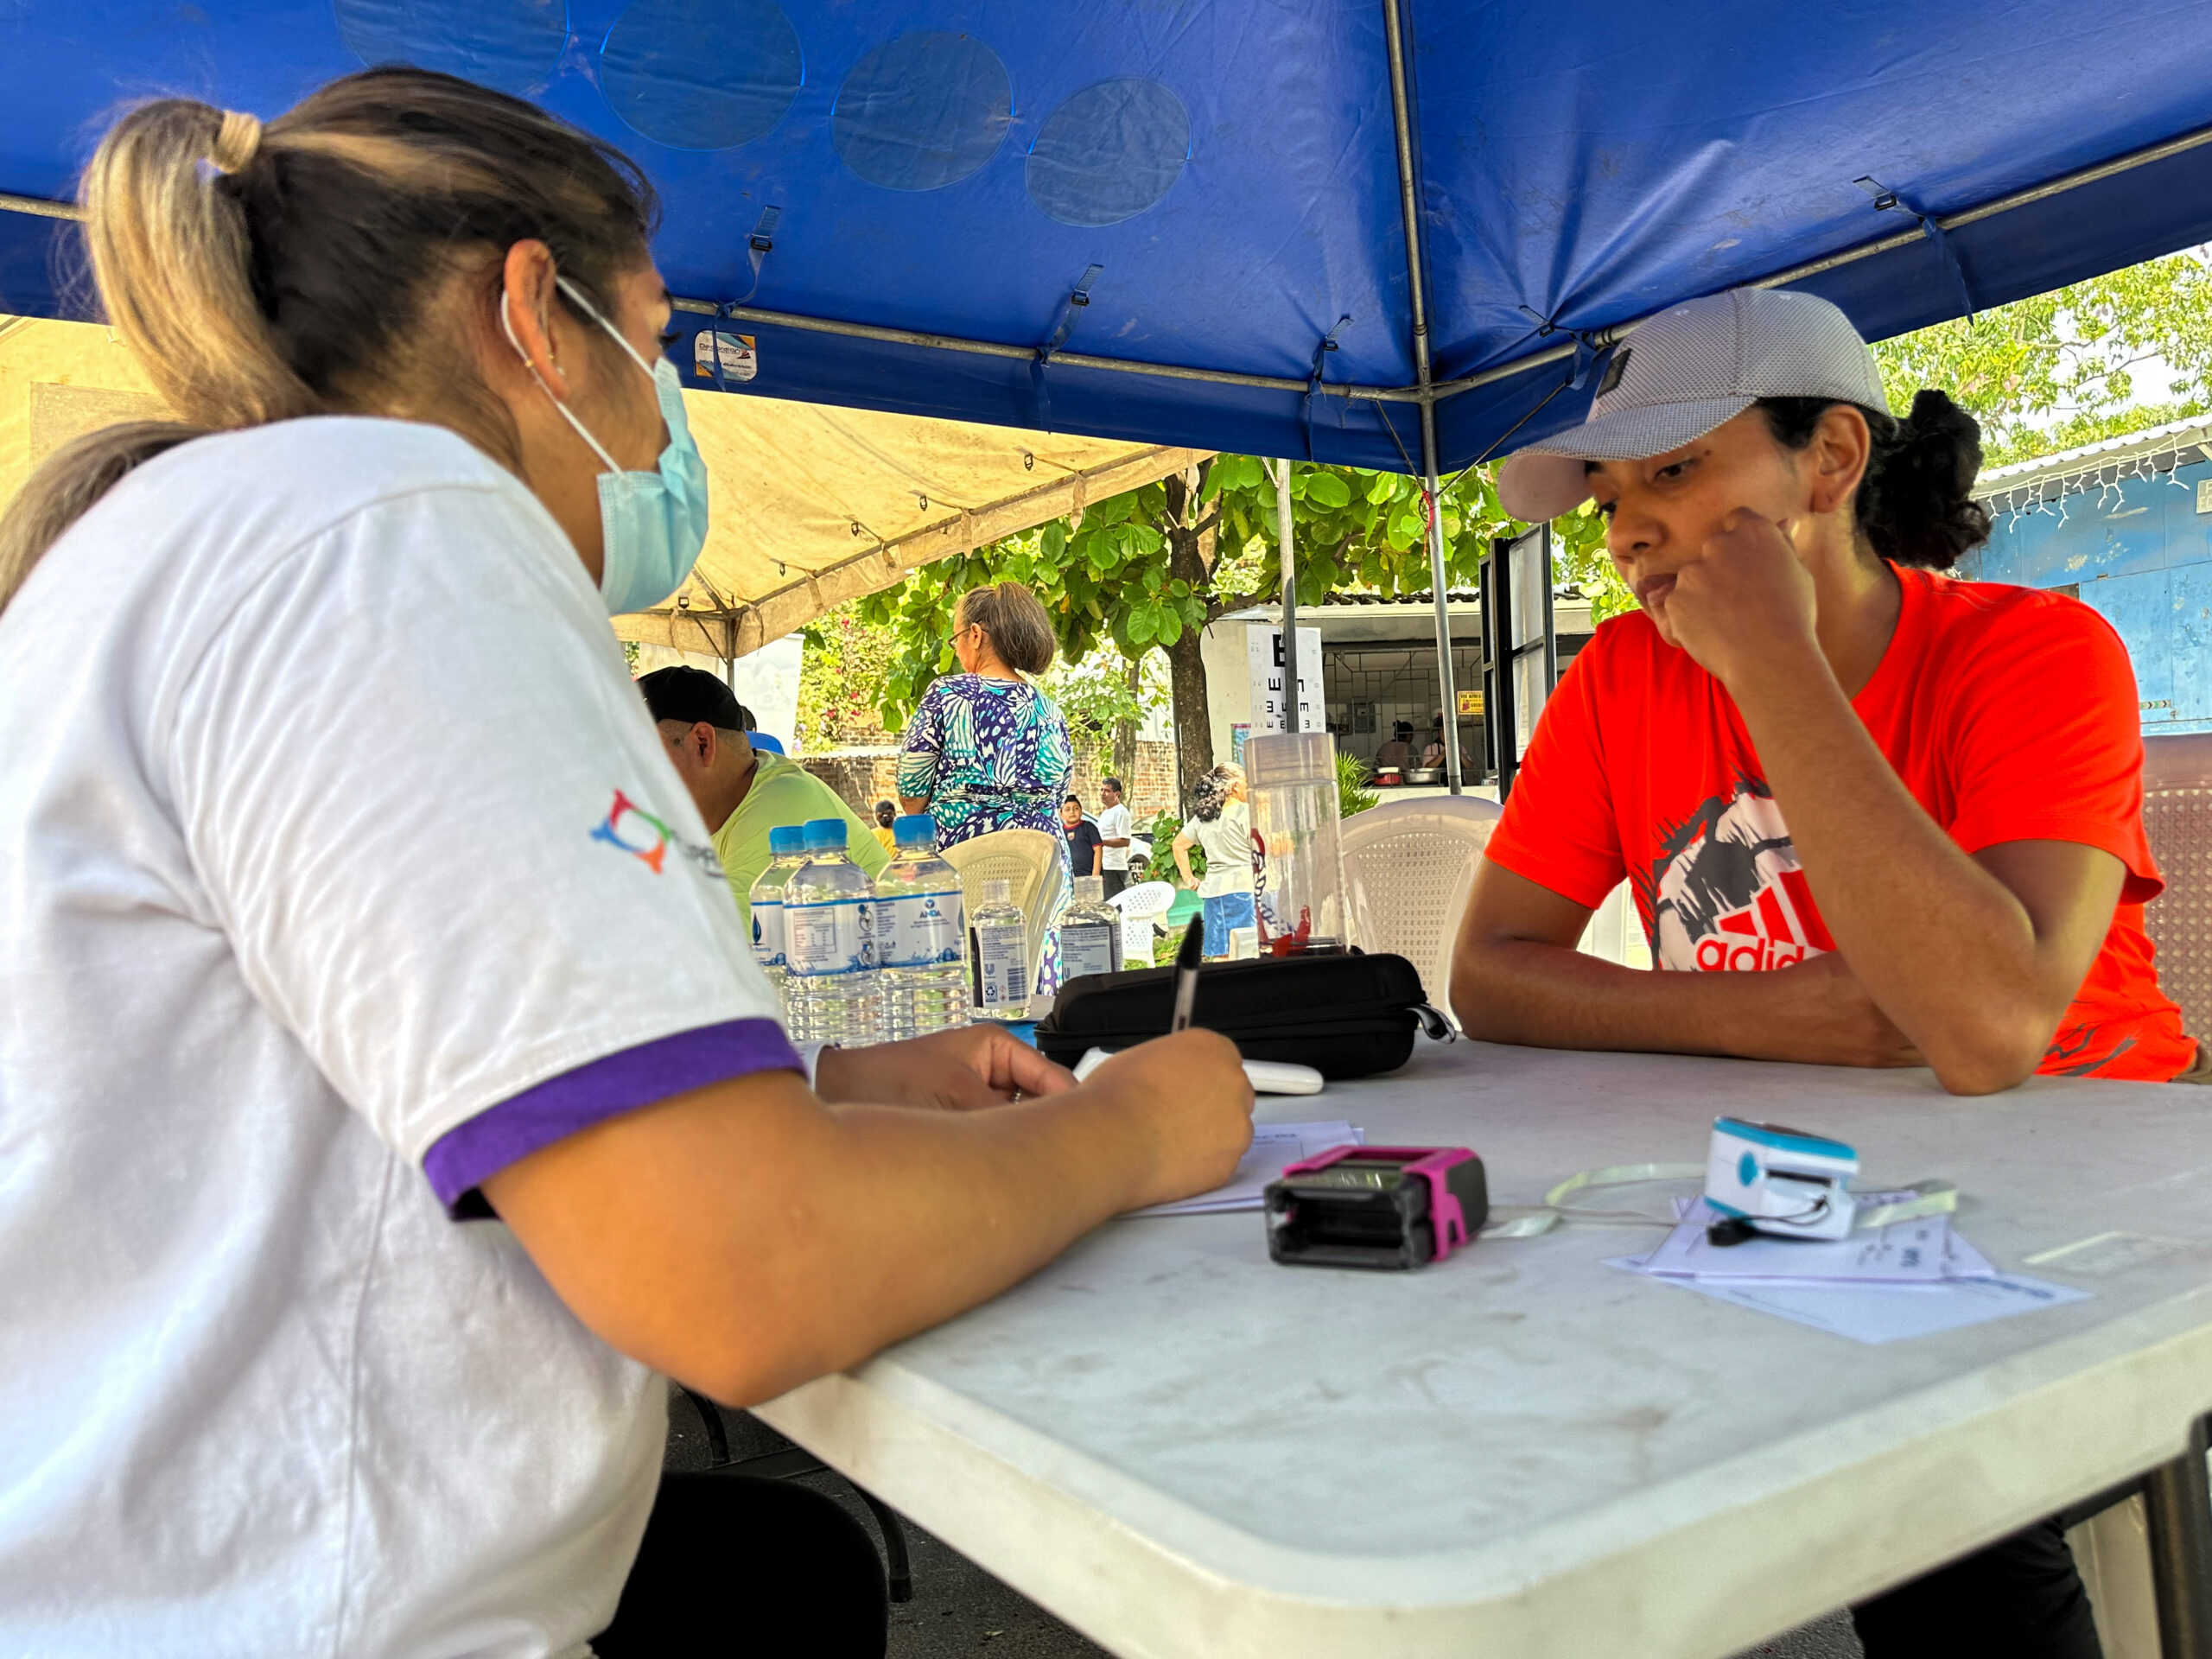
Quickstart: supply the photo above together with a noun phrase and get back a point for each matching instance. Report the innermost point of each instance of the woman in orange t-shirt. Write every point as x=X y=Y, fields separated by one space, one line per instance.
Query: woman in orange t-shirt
x=1880 y=817
x=1877 y=817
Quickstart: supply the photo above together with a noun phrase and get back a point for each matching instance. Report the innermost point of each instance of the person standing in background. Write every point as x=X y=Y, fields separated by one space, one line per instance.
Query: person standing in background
x=986 y=750
x=1113 y=838
x=743 y=793
x=1221 y=826
x=1084 y=844
x=886 y=815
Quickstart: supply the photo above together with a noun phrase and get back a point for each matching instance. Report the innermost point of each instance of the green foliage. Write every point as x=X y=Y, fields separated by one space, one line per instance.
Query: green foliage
x=630 y=656
x=1160 y=866
x=1095 y=696
x=846 y=658
x=1352 y=794
x=2060 y=369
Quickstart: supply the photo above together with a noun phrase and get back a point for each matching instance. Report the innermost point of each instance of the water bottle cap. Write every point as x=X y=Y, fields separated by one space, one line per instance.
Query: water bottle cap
x=825 y=834
x=912 y=828
x=1091 y=889
x=998 y=891
x=786 y=839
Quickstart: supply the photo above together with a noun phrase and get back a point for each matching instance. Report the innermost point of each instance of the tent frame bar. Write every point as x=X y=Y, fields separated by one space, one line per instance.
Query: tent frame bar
x=1394 y=32
x=1424 y=392
x=1028 y=354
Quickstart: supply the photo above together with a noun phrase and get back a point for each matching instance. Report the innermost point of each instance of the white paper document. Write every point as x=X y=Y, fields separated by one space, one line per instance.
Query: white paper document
x=1275 y=1147
x=1908 y=1279
x=1904 y=1252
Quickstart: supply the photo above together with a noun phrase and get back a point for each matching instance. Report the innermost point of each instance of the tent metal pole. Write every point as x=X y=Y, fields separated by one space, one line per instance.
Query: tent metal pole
x=1285 y=539
x=1394 y=30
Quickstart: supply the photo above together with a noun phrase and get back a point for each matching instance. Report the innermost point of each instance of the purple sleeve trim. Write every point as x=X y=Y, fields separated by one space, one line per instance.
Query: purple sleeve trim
x=604 y=1088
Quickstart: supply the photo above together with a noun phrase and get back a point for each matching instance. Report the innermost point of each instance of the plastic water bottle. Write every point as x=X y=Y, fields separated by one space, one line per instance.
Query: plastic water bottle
x=1090 y=932
x=831 y=992
x=998 y=955
x=786 y=847
x=918 y=935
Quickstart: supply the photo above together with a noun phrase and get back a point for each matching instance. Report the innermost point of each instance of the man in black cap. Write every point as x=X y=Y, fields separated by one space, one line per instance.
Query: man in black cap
x=743 y=793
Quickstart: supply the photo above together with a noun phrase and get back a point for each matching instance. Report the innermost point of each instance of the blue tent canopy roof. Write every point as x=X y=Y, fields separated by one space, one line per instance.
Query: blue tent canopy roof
x=1221 y=178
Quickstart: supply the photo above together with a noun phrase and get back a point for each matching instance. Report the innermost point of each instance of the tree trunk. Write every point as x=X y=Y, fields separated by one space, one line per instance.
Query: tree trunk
x=1186 y=673
x=1125 y=732
x=1187 y=677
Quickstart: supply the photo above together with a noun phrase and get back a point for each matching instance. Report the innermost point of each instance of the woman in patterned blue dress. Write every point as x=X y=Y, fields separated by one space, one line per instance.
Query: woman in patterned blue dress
x=986 y=750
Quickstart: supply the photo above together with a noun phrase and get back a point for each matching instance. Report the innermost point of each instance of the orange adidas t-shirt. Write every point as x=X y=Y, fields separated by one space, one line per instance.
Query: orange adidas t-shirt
x=2010 y=714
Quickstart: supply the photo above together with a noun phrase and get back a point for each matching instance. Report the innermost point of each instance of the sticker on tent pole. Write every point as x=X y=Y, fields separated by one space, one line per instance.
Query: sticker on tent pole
x=740 y=361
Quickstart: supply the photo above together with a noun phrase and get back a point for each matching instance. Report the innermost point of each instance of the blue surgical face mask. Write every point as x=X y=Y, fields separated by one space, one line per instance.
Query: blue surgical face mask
x=652 y=524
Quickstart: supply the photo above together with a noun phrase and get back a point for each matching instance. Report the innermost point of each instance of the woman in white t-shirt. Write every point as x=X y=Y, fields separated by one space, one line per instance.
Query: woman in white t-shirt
x=351 y=895
x=1221 y=827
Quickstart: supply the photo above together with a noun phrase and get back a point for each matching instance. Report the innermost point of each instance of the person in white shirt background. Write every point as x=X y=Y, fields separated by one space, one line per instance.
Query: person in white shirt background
x=282 y=1013
x=1114 y=833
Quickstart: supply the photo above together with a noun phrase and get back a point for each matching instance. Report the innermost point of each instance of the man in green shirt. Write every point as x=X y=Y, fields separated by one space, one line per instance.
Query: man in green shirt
x=743 y=793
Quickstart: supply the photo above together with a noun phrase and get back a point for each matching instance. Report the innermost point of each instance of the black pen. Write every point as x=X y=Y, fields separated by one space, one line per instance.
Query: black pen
x=1186 y=973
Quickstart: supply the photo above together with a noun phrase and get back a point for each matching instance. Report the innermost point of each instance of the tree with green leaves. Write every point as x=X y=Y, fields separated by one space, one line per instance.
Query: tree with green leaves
x=2062 y=368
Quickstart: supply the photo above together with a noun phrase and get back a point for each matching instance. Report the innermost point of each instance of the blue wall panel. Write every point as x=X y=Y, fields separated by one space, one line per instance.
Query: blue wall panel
x=2140 y=554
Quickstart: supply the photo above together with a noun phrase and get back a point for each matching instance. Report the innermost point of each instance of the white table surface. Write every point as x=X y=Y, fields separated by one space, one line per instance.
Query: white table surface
x=1182 y=1449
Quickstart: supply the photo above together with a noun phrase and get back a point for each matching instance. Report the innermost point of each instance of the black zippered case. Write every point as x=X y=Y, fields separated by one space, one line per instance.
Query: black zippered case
x=1347 y=1015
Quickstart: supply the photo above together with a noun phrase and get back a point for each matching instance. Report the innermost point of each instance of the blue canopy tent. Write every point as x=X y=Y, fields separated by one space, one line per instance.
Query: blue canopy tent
x=1393 y=233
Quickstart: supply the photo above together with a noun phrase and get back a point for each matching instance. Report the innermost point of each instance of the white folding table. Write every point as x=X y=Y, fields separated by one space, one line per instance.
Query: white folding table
x=1184 y=1449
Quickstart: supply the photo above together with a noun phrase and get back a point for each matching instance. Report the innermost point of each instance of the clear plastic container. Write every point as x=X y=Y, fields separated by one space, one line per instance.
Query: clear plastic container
x=919 y=936
x=830 y=988
x=1297 y=875
x=1000 y=972
x=786 y=847
x=1090 y=932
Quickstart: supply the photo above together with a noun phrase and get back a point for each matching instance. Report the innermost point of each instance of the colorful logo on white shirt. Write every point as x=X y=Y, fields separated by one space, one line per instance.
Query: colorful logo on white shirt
x=1729 y=894
x=647 y=839
x=649 y=851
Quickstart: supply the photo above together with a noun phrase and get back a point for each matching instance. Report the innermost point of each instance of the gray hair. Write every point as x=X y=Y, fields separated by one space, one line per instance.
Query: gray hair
x=1211 y=793
x=1020 y=631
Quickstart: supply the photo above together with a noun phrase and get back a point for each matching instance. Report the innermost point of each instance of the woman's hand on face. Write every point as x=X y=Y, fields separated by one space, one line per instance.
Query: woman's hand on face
x=958 y=1071
x=1745 y=604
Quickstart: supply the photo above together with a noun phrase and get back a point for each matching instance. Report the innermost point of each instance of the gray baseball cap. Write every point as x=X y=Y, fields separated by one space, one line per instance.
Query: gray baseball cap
x=1683 y=374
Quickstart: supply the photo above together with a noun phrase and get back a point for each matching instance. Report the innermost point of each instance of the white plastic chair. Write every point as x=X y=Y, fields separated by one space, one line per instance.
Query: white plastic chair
x=1029 y=862
x=1410 y=866
x=1141 y=907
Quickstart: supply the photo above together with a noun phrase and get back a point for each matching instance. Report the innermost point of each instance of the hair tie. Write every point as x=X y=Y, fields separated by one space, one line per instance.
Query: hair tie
x=235 y=141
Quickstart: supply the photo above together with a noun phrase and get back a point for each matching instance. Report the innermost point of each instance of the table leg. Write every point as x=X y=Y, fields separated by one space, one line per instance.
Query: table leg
x=2179 y=1502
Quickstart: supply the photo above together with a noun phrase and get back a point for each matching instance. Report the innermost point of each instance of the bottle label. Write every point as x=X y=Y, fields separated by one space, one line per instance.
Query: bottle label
x=998 y=956
x=768 y=932
x=834 y=936
x=919 y=930
x=1089 y=948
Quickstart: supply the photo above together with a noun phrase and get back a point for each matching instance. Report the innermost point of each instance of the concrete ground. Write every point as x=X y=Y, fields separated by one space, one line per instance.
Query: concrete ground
x=959 y=1609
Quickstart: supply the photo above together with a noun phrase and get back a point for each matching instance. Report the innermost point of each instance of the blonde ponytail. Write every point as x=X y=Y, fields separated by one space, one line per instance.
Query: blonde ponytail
x=172 y=257
x=173 y=261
